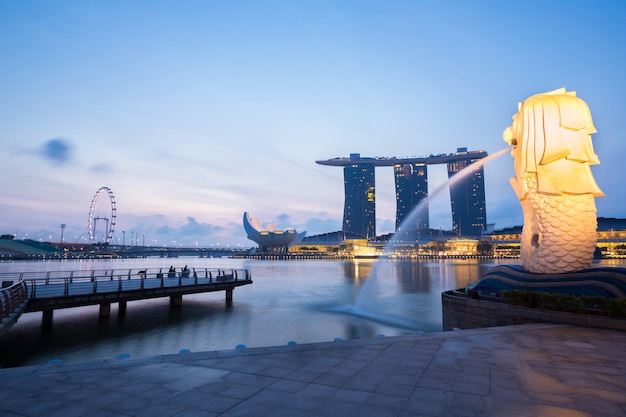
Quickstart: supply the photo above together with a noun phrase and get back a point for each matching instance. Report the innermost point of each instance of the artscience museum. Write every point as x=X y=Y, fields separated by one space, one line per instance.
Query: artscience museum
x=270 y=238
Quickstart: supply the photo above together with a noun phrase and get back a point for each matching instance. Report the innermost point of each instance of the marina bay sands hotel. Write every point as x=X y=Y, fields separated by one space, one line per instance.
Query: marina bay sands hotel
x=467 y=196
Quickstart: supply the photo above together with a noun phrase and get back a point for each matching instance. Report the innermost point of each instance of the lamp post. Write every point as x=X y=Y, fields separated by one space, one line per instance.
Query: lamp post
x=62 y=228
x=124 y=239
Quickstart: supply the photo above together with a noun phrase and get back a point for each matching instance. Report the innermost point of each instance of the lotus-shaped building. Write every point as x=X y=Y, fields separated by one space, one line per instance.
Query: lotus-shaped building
x=269 y=238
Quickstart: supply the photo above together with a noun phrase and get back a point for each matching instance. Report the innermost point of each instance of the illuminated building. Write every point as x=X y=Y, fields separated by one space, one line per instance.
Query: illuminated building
x=411 y=182
x=359 y=210
x=467 y=196
x=611 y=239
x=269 y=238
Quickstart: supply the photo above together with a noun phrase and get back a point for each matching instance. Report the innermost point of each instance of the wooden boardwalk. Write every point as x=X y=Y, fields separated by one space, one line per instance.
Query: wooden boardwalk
x=53 y=290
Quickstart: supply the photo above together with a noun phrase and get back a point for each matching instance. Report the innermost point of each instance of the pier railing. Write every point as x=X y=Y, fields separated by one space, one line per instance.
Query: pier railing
x=47 y=291
x=13 y=301
x=65 y=283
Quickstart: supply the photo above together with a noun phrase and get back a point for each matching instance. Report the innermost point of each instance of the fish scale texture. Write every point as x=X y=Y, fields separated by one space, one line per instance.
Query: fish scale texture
x=565 y=226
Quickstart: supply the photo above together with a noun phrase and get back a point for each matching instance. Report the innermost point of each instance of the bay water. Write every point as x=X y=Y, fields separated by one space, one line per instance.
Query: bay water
x=301 y=301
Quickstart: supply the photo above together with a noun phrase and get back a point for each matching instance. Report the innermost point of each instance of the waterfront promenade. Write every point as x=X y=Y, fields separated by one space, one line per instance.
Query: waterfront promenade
x=534 y=370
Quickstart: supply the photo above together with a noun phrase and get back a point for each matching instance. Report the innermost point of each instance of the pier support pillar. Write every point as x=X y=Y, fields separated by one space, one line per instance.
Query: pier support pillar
x=229 y=296
x=176 y=300
x=122 y=308
x=46 y=319
x=105 y=309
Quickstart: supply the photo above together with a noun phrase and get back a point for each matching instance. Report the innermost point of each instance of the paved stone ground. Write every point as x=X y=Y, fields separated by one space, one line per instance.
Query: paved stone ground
x=534 y=370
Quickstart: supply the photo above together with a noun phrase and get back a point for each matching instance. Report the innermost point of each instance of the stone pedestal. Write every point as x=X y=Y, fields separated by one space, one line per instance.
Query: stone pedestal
x=603 y=281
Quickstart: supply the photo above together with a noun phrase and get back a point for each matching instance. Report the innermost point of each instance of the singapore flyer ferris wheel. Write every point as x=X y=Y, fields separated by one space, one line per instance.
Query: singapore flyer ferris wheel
x=95 y=216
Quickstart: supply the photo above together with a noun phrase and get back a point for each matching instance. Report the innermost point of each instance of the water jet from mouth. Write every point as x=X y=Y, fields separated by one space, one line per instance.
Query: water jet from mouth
x=364 y=305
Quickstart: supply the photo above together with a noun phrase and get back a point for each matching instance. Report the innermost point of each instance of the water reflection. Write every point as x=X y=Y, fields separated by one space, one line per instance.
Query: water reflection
x=289 y=300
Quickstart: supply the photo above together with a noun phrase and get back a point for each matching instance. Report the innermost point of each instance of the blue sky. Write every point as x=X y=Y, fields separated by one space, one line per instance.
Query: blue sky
x=193 y=112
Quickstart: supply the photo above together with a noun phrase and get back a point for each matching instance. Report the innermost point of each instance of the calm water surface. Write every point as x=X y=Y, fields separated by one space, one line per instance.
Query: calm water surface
x=301 y=301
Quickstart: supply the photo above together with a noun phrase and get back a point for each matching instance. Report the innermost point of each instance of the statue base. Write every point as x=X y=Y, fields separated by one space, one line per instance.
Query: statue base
x=603 y=281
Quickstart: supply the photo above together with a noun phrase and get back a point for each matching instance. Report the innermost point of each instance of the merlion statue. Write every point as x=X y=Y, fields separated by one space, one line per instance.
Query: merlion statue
x=553 y=152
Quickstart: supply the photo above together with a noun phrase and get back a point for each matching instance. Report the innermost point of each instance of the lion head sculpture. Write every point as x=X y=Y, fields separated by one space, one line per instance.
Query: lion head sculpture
x=551 y=137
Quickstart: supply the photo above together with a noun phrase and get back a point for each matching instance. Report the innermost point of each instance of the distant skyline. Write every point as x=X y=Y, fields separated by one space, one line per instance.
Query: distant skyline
x=194 y=112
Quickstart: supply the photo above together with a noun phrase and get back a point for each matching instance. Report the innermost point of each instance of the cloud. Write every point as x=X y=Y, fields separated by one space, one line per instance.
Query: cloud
x=283 y=218
x=193 y=228
x=194 y=231
x=317 y=226
x=56 y=150
x=101 y=168
x=385 y=226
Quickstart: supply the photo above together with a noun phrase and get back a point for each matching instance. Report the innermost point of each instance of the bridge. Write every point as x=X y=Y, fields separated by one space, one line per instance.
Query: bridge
x=99 y=250
x=25 y=292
